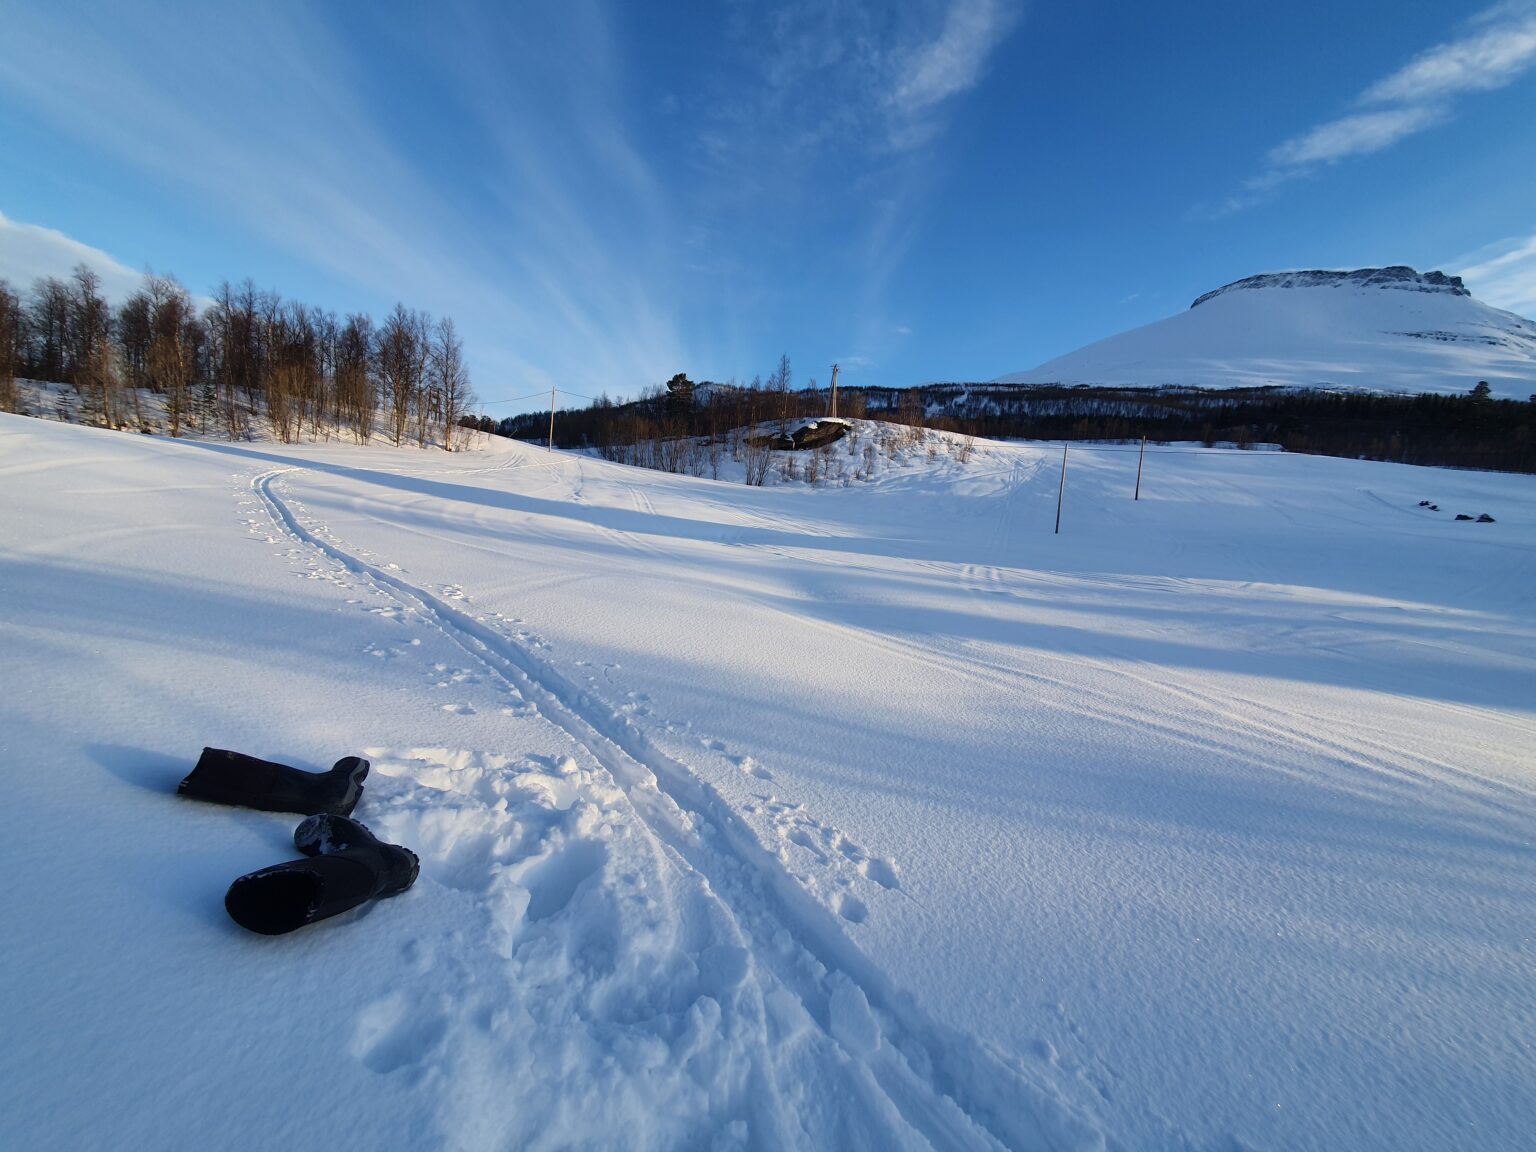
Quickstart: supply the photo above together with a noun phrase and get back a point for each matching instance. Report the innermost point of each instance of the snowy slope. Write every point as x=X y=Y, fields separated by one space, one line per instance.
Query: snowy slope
x=1373 y=328
x=875 y=817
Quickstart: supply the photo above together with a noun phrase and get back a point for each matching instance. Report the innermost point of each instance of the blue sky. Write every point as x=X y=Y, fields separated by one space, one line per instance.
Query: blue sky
x=604 y=193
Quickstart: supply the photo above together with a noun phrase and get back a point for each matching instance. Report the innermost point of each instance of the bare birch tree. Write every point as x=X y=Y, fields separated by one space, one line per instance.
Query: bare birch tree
x=49 y=328
x=401 y=355
x=168 y=366
x=450 y=378
x=90 y=366
x=778 y=384
x=12 y=336
x=356 y=396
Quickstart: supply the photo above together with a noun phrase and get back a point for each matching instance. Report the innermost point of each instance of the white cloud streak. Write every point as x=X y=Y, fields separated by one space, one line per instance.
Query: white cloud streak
x=1503 y=274
x=1357 y=135
x=1479 y=62
x=840 y=103
x=956 y=60
x=847 y=74
x=1498 y=48
x=31 y=252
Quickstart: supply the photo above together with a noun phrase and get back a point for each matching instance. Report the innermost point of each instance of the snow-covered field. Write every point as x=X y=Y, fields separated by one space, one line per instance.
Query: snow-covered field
x=864 y=817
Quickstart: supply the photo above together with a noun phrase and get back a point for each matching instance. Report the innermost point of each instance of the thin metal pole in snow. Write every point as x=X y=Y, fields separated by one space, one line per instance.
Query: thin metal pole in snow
x=1062 y=490
x=551 y=418
x=1139 y=460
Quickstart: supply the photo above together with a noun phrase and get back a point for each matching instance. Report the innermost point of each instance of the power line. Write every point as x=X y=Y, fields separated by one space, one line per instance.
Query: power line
x=535 y=396
x=513 y=400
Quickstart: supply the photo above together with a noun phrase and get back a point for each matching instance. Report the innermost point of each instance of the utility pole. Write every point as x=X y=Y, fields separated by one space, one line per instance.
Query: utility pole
x=834 y=391
x=1062 y=490
x=551 y=417
x=1139 y=461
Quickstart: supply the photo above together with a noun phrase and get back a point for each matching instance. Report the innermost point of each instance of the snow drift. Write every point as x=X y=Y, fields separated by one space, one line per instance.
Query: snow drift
x=1388 y=329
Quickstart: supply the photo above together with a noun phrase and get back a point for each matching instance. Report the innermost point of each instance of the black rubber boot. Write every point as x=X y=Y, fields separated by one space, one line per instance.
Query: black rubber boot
x=345 y=865
x=234 y=778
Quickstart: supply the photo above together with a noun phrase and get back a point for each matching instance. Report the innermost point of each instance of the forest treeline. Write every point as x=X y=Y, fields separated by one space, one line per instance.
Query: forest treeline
x=247 y=356
x=1468 y=430
x=681 y=426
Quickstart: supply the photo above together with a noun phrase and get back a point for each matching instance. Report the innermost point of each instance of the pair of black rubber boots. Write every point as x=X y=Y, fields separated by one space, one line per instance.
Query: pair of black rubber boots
x=344 y=864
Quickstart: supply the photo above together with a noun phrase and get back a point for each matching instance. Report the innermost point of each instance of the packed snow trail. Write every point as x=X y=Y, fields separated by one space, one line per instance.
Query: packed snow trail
x=963 y=1096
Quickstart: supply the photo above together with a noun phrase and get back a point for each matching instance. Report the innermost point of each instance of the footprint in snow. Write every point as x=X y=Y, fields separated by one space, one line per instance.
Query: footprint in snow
x=389 y=1034
x=850 y=907
x=752 y=768
x=882 y=872
x=797 y=827
x=803 y=838
x=553 y=882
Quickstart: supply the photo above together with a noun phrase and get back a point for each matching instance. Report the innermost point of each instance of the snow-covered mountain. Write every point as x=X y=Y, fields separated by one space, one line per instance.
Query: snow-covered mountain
x=1391 y=329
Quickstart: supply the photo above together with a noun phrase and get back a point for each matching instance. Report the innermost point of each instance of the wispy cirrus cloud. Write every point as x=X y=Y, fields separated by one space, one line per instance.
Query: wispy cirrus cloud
x=1503 y=274
x=1357 y=135
x=1501 y=45
x=1496 y=48
x=825 y=118
x=931 y=72
x=850 y=74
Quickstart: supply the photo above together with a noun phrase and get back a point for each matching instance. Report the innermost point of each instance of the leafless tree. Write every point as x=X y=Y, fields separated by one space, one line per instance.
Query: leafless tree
x=11 y=341
x=168 y=364
x=49 y=328
x=239 y=352
x=779 y=381
x=912 y=414
x=450 y=377
x=401 y=356
x=134 y=330
x=326 y=411
x=356 y=397
x=757 y=458
x=225 y=334
x=89 y=364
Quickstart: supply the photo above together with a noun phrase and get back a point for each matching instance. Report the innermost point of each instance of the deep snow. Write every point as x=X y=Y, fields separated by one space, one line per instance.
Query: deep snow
x=869 y=817
x=1307 y=335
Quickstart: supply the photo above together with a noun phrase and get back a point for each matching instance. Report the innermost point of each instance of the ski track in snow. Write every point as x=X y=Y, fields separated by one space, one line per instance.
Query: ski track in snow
x=1230 y=723
x=772 y=954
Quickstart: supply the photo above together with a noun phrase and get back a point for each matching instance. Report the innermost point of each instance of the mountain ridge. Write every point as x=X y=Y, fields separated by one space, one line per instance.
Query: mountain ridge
x=1389 y=329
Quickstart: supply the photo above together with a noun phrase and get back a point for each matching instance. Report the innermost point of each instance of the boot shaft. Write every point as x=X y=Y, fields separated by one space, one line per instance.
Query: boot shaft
x=224 y=777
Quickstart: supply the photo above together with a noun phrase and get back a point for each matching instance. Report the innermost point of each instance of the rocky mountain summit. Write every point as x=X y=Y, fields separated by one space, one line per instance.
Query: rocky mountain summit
x=1399 y=277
